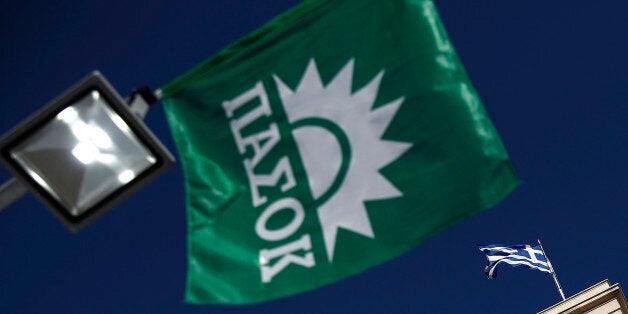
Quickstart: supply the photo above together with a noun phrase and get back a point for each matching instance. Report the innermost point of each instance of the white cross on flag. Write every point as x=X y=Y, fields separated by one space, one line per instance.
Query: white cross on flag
x=514 y=255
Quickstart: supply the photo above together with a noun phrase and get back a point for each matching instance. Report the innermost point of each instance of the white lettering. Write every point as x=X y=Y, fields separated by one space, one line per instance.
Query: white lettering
x=286 y=231
x=285 y=251
x=261 y=143
x=257 y=91
x=256 y=180
x=263 y=109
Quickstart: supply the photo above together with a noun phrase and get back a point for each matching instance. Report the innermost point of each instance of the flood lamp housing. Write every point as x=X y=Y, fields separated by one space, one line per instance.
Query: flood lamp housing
x=84 y=152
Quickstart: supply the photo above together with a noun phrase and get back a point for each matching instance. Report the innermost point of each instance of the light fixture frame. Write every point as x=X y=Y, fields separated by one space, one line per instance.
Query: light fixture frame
x=94 y=81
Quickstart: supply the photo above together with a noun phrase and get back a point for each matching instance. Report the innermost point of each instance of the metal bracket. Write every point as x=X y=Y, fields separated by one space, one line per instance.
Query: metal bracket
x=11 y=191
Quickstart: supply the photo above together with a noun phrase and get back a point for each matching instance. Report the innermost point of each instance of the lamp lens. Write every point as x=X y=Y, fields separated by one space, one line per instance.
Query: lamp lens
x=82 y=155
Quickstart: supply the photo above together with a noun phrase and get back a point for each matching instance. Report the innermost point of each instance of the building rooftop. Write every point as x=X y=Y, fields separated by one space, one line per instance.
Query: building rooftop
x=597 y=299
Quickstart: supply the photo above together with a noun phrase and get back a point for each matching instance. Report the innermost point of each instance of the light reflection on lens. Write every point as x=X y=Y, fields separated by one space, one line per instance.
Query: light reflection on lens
x=67 y=115
x=86 y=152
x=126 y=176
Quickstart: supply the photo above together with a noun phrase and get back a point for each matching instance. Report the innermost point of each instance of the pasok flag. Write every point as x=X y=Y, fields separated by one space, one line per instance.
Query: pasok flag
x=336 y=137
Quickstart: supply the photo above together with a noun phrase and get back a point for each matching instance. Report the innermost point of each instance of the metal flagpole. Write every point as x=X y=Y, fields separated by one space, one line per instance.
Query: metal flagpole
x=552 y=270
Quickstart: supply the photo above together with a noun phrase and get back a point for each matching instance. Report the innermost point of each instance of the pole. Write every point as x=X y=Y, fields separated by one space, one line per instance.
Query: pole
x=560 y=290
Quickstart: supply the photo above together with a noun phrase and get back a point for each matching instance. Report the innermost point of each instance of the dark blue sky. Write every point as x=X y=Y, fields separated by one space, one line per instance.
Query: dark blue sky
x=552 y=77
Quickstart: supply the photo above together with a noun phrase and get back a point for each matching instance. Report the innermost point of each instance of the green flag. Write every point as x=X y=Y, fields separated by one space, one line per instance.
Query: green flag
x=336 y=137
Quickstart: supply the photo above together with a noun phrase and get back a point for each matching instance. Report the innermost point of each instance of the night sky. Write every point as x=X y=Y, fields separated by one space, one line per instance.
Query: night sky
x=552 y=77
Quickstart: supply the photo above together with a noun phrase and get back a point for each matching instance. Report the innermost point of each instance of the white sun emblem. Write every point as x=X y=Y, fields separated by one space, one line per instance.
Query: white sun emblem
x=339 y=140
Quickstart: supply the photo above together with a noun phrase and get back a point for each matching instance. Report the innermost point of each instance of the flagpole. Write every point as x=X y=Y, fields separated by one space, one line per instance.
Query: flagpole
x=552 y=270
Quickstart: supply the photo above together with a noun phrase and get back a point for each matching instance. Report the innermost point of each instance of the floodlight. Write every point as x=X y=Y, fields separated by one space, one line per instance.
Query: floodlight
x=84 y=152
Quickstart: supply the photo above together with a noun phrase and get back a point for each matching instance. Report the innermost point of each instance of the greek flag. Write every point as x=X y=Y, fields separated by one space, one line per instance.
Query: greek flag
x=514 y=255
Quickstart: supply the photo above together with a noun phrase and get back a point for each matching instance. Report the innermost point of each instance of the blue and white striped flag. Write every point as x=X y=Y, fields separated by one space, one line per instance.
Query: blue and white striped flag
x=514 y=255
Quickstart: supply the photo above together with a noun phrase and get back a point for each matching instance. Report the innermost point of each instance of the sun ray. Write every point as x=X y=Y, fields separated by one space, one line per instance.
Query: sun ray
x=311 y=82
x=391 y=150
x=333 y=215
x=341 y=83
x=383 y=115
x=384 y=189
x=284 y=91
x=365 y=97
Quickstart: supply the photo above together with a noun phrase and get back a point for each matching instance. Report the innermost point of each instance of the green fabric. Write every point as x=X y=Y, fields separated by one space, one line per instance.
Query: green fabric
x=336 y=137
